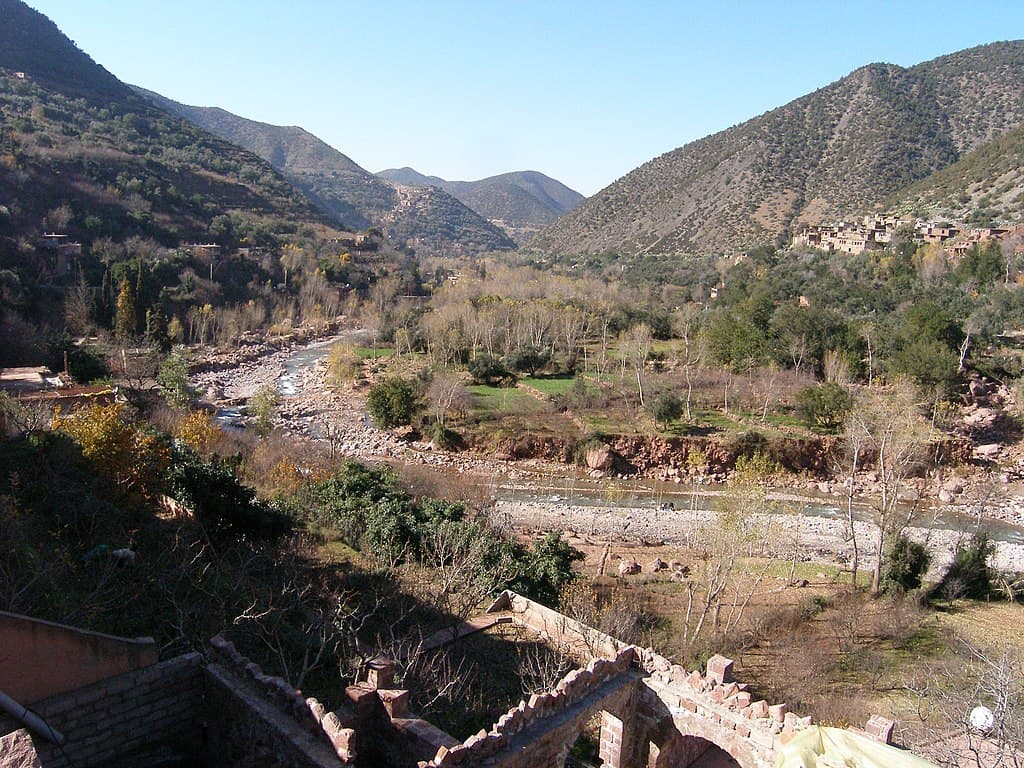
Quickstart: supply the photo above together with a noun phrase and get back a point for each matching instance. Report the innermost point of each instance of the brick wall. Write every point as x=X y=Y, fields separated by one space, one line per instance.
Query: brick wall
x=161 y=703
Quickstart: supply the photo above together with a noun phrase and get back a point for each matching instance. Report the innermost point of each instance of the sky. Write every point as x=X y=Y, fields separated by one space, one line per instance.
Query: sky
x=581 y=91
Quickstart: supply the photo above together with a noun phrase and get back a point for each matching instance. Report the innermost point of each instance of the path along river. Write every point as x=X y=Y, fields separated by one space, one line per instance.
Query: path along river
x=537 y=495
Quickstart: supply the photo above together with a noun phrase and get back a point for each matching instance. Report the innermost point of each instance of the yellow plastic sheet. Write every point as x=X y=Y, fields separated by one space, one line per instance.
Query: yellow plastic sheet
x=821 y=747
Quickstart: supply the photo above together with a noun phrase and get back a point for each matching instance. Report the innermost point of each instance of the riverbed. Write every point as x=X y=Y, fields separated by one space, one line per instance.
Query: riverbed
x=539 y=495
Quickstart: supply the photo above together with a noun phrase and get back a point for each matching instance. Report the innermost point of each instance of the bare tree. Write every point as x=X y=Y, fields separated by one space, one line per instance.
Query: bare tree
x=446 y=394
x=885 y=426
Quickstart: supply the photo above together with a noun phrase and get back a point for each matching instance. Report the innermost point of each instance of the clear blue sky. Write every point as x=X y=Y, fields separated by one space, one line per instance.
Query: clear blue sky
x=582 y=91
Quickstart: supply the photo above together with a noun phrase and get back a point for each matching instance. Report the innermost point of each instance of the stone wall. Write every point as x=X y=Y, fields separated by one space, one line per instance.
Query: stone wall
x=160 y=704
x=39 y=659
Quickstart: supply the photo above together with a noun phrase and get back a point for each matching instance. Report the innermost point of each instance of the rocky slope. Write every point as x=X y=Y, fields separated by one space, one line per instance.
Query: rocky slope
x=839 y=151
x=435 y=222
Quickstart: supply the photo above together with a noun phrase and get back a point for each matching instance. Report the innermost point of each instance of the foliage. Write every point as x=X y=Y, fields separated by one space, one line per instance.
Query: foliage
x=969 y=574
x=665 y=408
x=225 y=506
x=487 y=369
x=173 y=377
x=263 y=408
x=549 y=568
x=392 y=402
x=197 y=430
x=824 y=406
x=906 y=562
x=130 y=454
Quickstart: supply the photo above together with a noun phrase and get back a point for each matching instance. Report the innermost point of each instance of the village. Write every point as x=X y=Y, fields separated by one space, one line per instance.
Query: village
x=876 y=231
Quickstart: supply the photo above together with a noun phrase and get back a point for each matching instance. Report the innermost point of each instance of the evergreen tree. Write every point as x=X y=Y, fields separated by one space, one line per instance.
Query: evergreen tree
x=124 y=319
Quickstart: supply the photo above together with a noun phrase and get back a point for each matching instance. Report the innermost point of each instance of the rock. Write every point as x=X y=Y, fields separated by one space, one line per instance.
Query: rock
x=988 y=451
x=657 y=565
x=629 y=568
x=600 y=457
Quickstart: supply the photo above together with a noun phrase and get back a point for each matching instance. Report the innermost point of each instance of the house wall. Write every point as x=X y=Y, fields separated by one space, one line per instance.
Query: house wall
x=160 y=704
x=39 y=659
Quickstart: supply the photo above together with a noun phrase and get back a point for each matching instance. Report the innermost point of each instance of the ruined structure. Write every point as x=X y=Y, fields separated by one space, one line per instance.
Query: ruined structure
x=221 y=709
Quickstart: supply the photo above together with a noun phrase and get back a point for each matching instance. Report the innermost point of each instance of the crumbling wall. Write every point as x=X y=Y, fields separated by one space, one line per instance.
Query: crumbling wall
x=257 y=719
x=160 y=704
x=39 y=659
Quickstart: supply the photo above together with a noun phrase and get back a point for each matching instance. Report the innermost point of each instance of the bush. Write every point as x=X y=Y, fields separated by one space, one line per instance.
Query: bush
x=824 y=406
x=223 y=504
x=486 y=369
x=392 y=403
x=905 y=564
x=665 y=408
x=968 y=575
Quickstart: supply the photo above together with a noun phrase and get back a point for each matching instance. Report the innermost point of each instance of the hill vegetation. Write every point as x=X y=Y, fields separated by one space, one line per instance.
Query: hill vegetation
x=836 y=152
x=352 y=196
x=521 y=203
x=984 y=188
x=127 y=190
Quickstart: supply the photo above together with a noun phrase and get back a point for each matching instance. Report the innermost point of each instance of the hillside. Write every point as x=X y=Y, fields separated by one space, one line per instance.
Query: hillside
x=984 y=188
x=74 y=136
x=351 y=195
x=840 y=150
x=521 y=203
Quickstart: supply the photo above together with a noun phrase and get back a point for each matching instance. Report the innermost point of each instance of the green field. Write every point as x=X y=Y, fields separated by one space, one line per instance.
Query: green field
x=502 y=400
x=372 y=353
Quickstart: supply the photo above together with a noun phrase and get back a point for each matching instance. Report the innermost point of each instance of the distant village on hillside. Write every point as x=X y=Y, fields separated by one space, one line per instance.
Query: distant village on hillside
x=875 y=232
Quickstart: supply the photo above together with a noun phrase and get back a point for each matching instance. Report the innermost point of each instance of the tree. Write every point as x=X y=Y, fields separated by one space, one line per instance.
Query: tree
x=905 y=564
x=173 y=377
x=132 y=456
x=447 y=393
x=392 y=402
x=665 y=408
x=824 y=406
x=124 y=315
x=886 y=427
x=263 y=408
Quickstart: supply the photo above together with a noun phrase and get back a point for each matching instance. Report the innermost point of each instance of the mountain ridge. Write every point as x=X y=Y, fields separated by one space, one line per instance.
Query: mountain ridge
x=345 y=190
x=840 y=150
x=521 y=202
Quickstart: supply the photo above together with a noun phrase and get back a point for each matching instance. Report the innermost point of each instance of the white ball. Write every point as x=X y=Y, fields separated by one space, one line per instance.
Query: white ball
x=982 y=719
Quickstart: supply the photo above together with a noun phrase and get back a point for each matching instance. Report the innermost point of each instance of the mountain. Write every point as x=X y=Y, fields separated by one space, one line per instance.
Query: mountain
x=983 y=188
x=350 y=194
x=521 y=203
x=74 y=138
x=838 y=151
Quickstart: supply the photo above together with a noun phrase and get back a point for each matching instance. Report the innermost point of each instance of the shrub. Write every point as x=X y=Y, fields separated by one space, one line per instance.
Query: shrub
x=665 y=408
x=392 y=402
x=486 y=369
x=905 y=564
x=969 y=575
x=824 y=406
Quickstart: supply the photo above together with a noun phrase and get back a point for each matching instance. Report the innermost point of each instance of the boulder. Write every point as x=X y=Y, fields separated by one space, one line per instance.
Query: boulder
x=600 y=457
x=629 y=568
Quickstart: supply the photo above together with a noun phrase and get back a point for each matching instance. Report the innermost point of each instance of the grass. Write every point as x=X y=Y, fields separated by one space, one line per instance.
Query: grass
x=553 y=385
x=373 y=353
x=502 y=400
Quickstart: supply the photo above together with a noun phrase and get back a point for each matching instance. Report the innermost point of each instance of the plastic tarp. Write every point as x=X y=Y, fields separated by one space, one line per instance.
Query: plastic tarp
x=822 y=747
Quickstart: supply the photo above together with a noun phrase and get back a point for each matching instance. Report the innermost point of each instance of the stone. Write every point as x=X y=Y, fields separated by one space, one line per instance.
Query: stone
x=600 y=457
x=380 y=672
x=629 y=568
x=880 y=729
x=720 y=669
x=18 y=751
x=657 y=565
x=396 y=702
x=777 y=712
